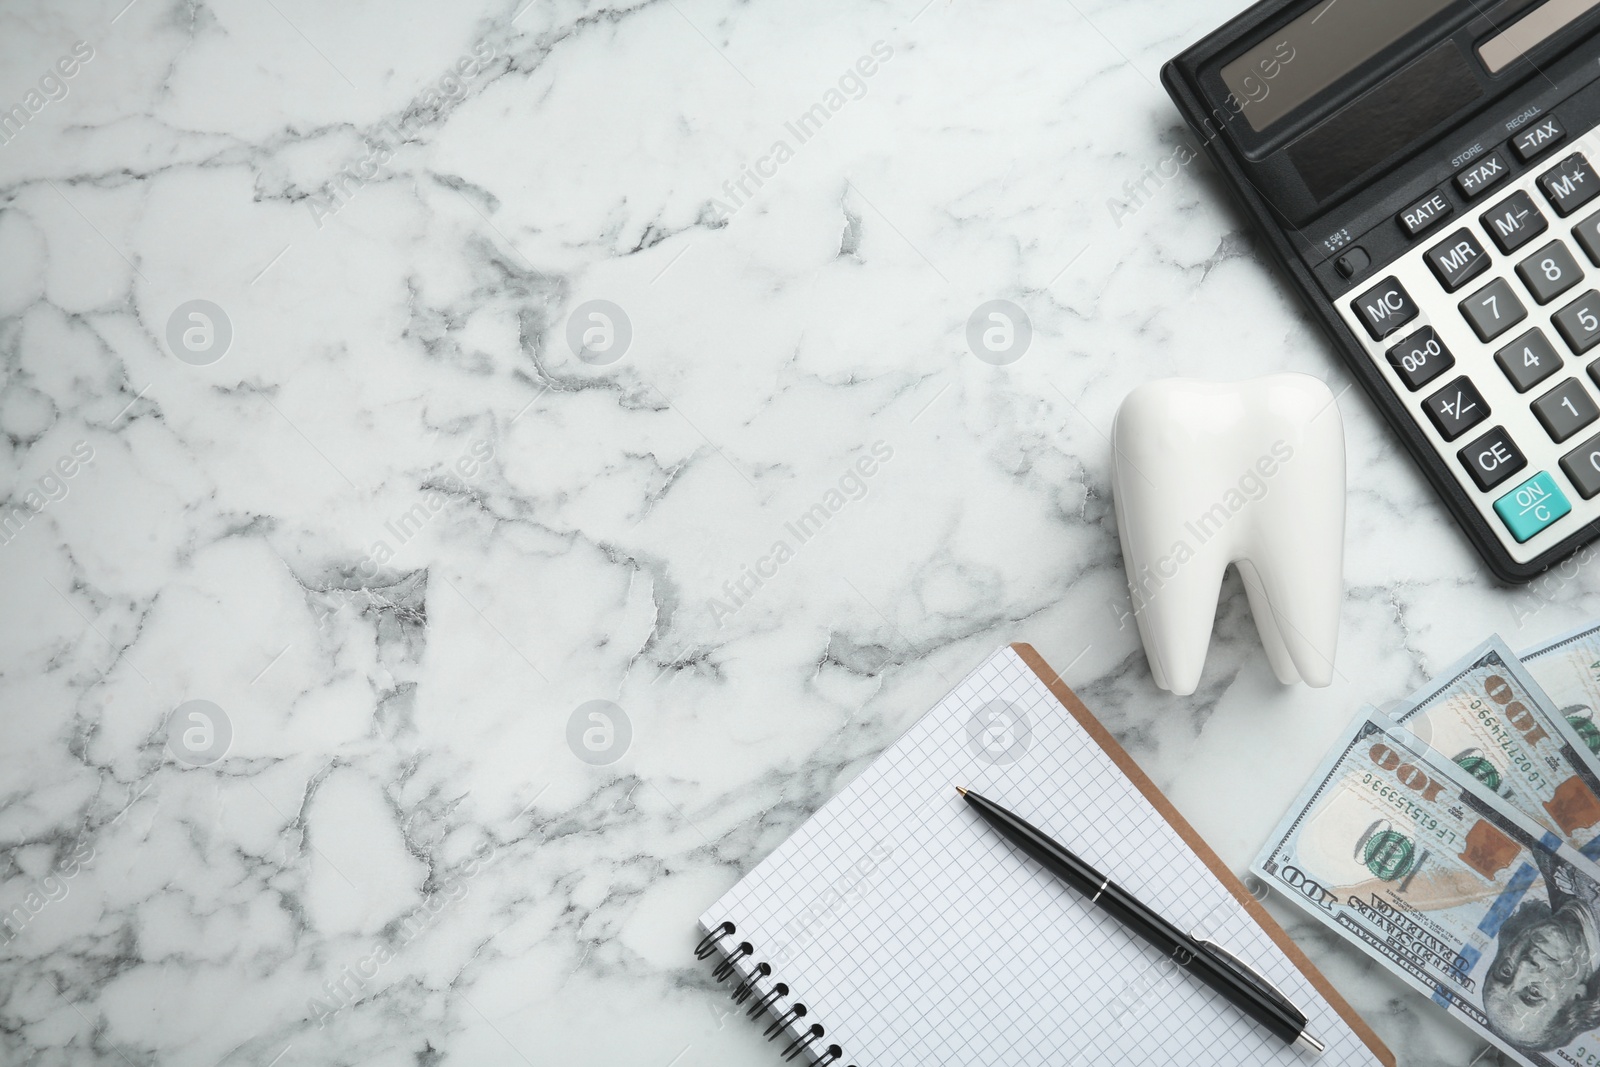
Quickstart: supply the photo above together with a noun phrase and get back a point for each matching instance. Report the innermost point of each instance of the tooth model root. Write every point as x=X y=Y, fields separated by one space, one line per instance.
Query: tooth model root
x=1250 y=473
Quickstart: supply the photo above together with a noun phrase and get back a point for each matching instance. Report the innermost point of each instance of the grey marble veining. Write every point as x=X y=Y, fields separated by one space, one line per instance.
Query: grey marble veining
x=400 y=535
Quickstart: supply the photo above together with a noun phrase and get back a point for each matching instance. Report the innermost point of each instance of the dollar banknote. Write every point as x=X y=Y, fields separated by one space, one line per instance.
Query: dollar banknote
x=1488 y=715
x=1470 y=902
x=1568 y=670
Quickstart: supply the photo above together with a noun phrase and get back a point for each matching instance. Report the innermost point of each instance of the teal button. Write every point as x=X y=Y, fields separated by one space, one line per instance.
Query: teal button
x=1532 y=506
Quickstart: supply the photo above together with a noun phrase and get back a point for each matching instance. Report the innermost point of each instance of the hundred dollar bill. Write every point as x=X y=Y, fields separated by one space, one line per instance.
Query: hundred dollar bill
x=1488 y=715
x=1468 y=901
x=1568 y=669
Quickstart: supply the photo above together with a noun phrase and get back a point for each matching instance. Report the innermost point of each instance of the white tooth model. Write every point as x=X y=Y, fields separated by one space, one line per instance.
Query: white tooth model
x=1210 y=473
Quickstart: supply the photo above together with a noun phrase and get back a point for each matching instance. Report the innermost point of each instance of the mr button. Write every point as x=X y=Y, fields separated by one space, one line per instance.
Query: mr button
x=1492 y=458
x=1457 y=260
x=1384 y=308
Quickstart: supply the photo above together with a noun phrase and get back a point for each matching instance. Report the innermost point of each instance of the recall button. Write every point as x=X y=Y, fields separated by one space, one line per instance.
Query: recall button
x=1424 y=213
x=1546 y=133
x=1482 y=174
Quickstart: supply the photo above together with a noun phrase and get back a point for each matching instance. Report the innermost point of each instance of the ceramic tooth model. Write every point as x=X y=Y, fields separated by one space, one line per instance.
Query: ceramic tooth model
x=1205 y=474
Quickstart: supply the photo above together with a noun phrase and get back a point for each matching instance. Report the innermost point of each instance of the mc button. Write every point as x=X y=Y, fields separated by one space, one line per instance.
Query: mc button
x=1385 y=308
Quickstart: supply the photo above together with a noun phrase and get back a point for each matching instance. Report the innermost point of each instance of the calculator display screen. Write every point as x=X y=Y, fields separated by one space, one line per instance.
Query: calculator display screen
x=1289 y=67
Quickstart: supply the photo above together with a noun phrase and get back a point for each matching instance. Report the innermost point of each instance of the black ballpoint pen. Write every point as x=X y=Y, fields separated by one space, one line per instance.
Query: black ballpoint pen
x=1207 y=961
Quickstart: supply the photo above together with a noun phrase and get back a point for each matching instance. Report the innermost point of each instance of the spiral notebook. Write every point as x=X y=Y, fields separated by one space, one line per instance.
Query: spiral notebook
x=894 y=929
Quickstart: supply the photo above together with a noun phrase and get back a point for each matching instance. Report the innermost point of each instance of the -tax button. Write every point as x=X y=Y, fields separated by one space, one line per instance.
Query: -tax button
x=1385 y=308
x=1546 y=133
x=1532 y=506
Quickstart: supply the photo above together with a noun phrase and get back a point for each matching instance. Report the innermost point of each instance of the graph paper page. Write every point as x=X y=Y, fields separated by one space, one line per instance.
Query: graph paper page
x=915 y=935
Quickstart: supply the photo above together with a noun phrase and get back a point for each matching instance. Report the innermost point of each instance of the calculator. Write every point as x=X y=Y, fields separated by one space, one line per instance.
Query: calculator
x=1424 y=173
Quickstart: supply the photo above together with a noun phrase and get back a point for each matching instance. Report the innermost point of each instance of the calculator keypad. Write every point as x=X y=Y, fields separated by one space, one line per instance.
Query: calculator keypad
x=1579 y=322
x=1506 y=382
x=1549 y=272
x=1457 y=259
x=1493 y=310
x=1570 y=184
x=1514 y=221
x=1492 y=458
x=1456 y=408
x=1528 y=360
x=1565 y=410
x=1420 y=358
x=1582 y=468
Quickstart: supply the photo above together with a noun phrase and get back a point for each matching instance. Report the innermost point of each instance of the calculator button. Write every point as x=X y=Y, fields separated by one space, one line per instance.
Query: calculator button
x=1385 y=308
x=1353 y=262
x=1457 y=259
x=1420 y=358
x=1424 y=213
x=1588 y=234
x=1570 y=184
x=1482 y=174
x=1532 y=506
x=1549 y=272
x=1514 y=221
x=1528 y=360
x=1456 y=408
x=1492 y=458
x=1582 y=468
x=1579 y=322
x=1565 y=410
x=1493 y=310
x=1542 y=135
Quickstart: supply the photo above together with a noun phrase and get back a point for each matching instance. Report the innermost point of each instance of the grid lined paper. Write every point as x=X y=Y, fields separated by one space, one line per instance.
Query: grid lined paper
x=915 y=935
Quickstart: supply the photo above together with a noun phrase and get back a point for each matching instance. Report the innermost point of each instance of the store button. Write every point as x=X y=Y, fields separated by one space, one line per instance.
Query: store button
x=1482 y=174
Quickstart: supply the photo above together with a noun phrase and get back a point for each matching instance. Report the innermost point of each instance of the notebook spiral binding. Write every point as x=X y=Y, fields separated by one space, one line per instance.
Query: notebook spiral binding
x=769 y=1002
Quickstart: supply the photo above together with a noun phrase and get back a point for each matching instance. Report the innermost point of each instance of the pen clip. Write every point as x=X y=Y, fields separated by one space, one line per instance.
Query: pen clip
x=1249 y=974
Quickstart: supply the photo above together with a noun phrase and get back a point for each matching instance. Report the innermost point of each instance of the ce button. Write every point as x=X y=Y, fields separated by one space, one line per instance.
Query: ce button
x=1492 y=458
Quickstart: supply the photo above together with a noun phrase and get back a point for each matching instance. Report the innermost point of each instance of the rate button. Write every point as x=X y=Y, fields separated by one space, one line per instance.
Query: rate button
x=1424 y=213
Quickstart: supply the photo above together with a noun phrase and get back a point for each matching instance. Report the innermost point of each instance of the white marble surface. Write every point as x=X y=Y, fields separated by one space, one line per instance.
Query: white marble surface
x=398 y=800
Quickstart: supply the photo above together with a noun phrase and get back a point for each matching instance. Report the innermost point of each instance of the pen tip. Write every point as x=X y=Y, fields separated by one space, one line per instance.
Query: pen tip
x=962 y=790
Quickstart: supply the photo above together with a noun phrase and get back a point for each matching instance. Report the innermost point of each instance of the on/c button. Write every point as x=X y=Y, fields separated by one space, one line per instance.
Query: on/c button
x=1532 y=506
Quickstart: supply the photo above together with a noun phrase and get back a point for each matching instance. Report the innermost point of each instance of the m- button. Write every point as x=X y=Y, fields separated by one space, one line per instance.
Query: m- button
x=1424 y=213
x=1514 y=221
x=1385 y=308
x=1482 y=174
